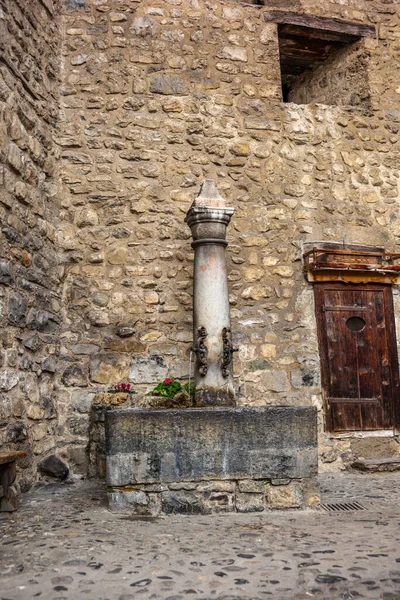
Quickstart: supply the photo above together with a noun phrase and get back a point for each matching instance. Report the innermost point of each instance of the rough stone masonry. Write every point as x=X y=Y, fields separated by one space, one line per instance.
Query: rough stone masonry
x=211 y=460
x=112 y=114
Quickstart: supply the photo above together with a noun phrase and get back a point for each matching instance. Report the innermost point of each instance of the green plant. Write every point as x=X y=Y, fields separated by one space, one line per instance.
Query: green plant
x=189 y=388
x=168 y=388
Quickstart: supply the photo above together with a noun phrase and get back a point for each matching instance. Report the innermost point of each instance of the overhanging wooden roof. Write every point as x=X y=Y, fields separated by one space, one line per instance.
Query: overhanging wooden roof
x=338 y=26
x=351 y=265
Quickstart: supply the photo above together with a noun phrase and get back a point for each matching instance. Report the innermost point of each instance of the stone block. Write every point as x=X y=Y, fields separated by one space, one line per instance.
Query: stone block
x=98 y=413
x=147 y=369
x=252 y=486
x=145 y=446
x=240 y=149
x=35 y=412
x=184 y=485
x=78 y=425
x=76 y=5
x=6 y=408
x=309 y=492
x=279 y=481
x=42 y=320
x=269 y=34
x=87 y=218
x=81 y=401
x=54 y=467
x=84 y=349
x=16 y=433
x=13 y=156
x=49 y=364
x=109 y=368
x=284 y=496
x=172 y=106
x=250 y=502
x=6 y=273
x=374 y=447
x=268 y=351
x=134 y=502
x=221 y=502
x=165 y=84
x=184 y=503
x=305 y=377
x=262 y=124
x=78 y=458
x=74 y=376
x=125 y=331
x=328 y=451
x=259 y=365
x=154 y=487
x=8 y=380
x=144 y=27
x=16 y=309
x=217 y=486
x=33 y=343
x=179 y=370
x=275 y=381
x=235 y=53
x=232 y=13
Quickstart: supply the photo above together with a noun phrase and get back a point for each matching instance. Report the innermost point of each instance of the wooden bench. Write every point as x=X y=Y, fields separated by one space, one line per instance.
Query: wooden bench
x=8 y=496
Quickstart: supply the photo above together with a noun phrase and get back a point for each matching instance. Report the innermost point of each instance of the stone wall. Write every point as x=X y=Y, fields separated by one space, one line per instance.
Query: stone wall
x=29 y=267
x=213 y=497
x=156 y=97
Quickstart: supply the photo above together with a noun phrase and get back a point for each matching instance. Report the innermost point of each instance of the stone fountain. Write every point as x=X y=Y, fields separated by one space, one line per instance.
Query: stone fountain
x=215 y=457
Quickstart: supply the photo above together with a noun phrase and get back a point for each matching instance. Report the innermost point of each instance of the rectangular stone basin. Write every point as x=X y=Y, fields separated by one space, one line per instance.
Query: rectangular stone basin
x=211 y=460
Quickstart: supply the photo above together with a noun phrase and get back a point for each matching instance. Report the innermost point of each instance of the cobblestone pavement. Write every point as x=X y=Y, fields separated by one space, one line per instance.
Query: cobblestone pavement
x=64 y=544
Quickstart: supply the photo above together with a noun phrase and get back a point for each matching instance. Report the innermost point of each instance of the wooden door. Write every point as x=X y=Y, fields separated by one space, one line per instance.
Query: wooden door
x=359 y=363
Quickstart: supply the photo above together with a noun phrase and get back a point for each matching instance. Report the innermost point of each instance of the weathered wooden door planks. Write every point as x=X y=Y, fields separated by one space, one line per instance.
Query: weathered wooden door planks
x=359 y=363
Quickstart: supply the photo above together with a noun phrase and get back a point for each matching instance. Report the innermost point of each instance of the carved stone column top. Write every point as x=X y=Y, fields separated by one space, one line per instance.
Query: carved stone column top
x=209 y=195
x=208 y=222
x=209 y=216
x=204 y=214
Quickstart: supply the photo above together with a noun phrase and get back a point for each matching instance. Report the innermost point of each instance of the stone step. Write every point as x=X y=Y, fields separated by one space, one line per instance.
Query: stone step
x=386 y=464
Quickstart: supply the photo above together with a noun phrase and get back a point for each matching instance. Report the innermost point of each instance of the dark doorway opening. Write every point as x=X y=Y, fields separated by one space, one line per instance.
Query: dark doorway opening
x=306 y=42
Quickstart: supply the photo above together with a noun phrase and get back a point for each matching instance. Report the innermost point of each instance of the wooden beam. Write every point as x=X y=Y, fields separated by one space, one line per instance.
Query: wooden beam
x=11 y=456
x=358 y=30
x=290 y=31
x=313 y=49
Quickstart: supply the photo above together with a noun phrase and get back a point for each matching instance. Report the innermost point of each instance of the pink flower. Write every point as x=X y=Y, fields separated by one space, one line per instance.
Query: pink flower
x=167 y=381
x=128 y=386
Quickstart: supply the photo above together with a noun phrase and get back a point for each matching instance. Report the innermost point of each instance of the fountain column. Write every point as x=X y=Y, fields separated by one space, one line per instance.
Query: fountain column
x=208 y=218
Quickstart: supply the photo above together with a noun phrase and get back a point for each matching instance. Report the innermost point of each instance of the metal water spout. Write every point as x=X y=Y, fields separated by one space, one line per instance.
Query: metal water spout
x=208 y=219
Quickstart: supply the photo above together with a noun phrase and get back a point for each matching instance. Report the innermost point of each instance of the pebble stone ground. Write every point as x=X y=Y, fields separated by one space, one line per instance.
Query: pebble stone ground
x=63 y=543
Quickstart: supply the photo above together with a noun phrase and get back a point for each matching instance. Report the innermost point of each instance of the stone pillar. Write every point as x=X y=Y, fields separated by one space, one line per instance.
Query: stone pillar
x=208 y=219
